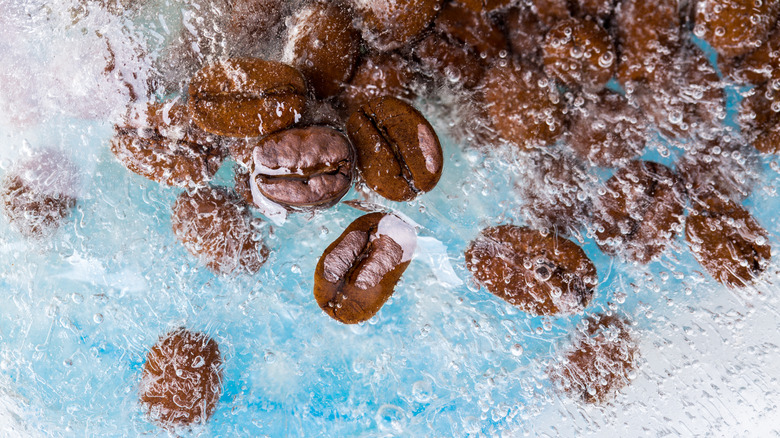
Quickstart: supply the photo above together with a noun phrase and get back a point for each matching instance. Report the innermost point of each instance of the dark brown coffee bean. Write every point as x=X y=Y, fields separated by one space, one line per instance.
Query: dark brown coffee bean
x=379 y=74
x=551 y=12
x=717 y=167
x=181 y=380
x=214 y=227
x=638 y=215
x=476 y=32
x=542 y=274
x=447 y=61
x=607 y=131
x=392 y=24
x=252 y=20
x=37 y=195
x=398 y=152
x=358 y=272
x=525 y=34
x=301 y=167
x=595 y=9
x=727 y=241
x=758 y=66
x=246 y=97
x=735 y=27
x=580 y=53
x=323 y=45
x=522 y=105
x=602 y=358
x=484 y=5
x=163 y=144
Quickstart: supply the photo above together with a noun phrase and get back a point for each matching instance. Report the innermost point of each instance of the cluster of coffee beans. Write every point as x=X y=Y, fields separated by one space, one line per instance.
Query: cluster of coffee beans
x=337 y=105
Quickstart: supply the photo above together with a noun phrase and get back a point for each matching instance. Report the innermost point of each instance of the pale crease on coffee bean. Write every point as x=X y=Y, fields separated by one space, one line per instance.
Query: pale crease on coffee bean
x=386 y=254
x=430 y=148
x=338 y=262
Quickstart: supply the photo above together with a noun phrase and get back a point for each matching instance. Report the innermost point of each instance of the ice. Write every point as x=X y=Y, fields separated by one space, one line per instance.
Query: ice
x=81 y=310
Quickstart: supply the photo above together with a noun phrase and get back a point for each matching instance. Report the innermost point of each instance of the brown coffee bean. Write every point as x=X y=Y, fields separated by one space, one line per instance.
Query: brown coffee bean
x=523 y=106
x=525 y=34
x=638 y=215
x=551 y=12
x=163 y=144
x=398 y=152
x=758 y=66
x=181 y=380
x=600 y=362
x=476 y=32
x=727 y=241
x=246 y=97
x=392 y=24
x=484 y=5
x=718 y=167
x=735 y=27
x=648 y=35
x=379 y=74
x=447 y=61
x=596 y=9
x=214 y=227
x=323 y=45
x=555 y=192
x=579 y=53
x=301 y=168
x=250 y=21
x=542 y=274
x=37 y=195
x=607 y=131
x=358 y=272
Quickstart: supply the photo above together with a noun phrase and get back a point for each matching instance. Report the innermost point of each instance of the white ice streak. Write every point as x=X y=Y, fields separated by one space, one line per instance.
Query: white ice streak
x=401 y=232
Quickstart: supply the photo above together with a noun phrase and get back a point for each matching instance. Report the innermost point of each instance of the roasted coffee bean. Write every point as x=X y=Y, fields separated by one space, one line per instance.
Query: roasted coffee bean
x=358 y=272
x=476 y=32
x=522 y=105
x=300 y=168
x=214 y=227
x=551 y=12
x=163 y=144
x=600 y=362
x=246 y=97
x=580 y=53
x=37 y=195
x=379 y=74
x=484 y=5
x=392 y=24
x=398 y=152
x=448 y=61
x=525 y=34
x=735 y=27
x=181 y=380
x=717 y=167
x=649 y=34
x=555 y=191
x=607 y=131
x=323 y=45
x=542 y=274
x=638 y=215
x=727 y=241
x=596 y=9
x=252 y=20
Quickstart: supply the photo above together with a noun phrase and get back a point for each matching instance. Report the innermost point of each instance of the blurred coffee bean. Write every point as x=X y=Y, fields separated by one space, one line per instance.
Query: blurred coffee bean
x=448 y=61
x=252 y=21
x=542 y=274
x=214 y=227
x=398 y=152
x=484 y=5
x=640 y=212
x=607 y=131
x=735 y=27
x=392 y=24
x=727 y=241
x=478 y=33
x=525 y=34
x=38 y=194
x=600 y=361
x=301 y=167
x=580 y=53
x=599 y=10
x=246 y=97
x=181 y=381
x=358 y=272
x=323 y=45
x=379 y=74
x=551 y=12
x=163 y=144
x=717 y=167
x=522 y=105
x=758 y=66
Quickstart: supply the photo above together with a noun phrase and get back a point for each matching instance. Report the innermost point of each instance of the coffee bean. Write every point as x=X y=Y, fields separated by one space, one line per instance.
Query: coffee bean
x=525 y=34
x=596 y=9
x=246 y=97
x=214 y=227
x=735 y=27
x=163 y=144
x=522 y=105
x=181 y=381
x=392 y=24
x=580 y=53
x=727 y=241
x=250 y=21
x=448 y=62
x=398 y=152
x=602 y=358
x=758 y=66
x=38 y=194
x=358 y=272
x=638 y=215
x=542 y=274
x=717 y=167
x=379 y=74
x=319 y=31
x=301 y=168
x=550 y=12
x=607 y=131
x=476 y=32
x=484 y=5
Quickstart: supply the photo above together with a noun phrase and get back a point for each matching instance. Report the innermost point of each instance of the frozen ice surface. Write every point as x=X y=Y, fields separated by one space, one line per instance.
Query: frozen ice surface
x=79 y=312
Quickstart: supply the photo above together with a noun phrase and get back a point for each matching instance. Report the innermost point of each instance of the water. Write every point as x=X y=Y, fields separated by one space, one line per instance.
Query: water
x=442 y=358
